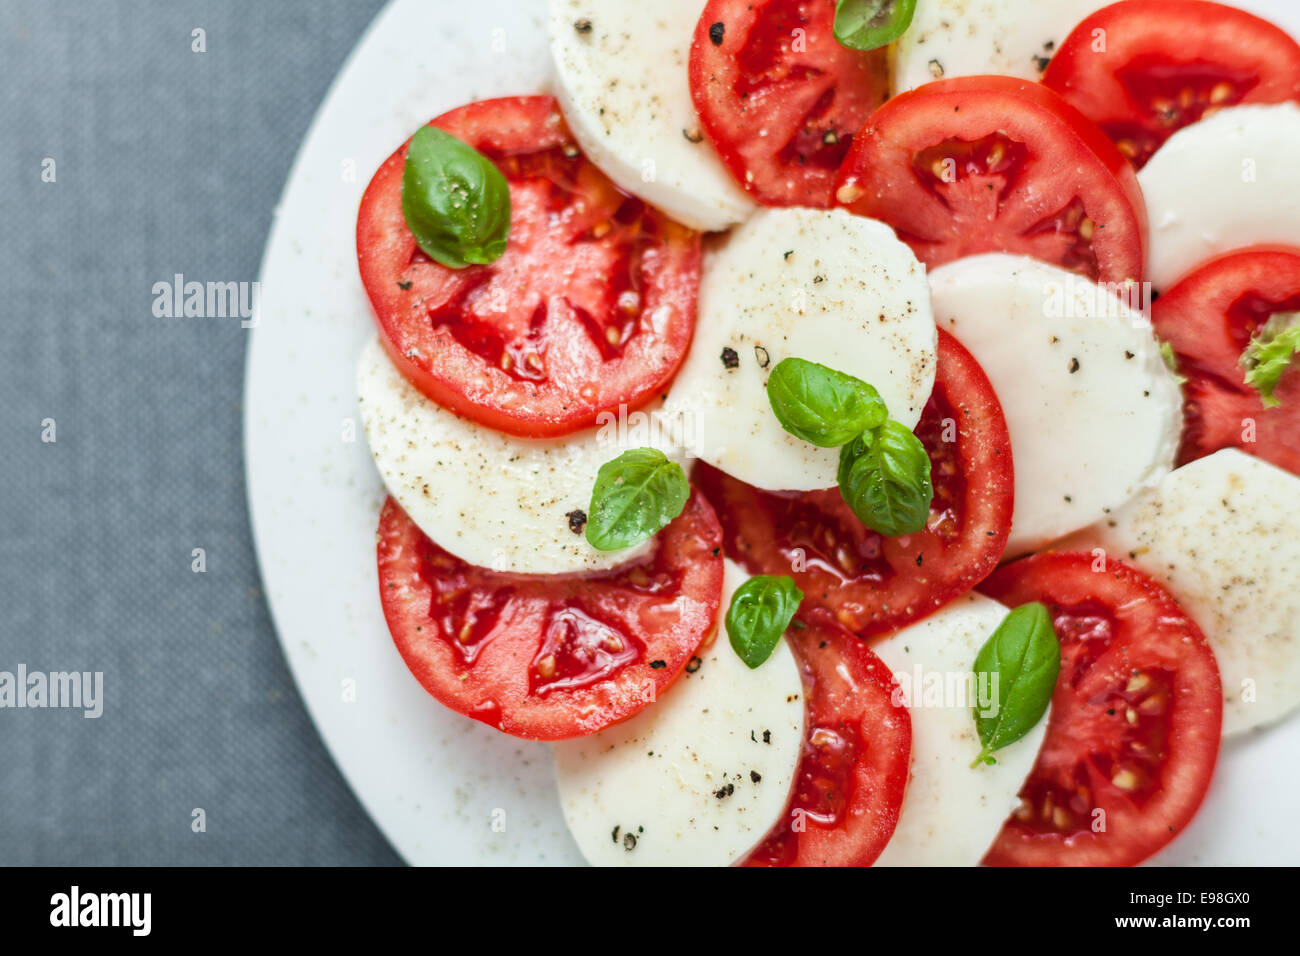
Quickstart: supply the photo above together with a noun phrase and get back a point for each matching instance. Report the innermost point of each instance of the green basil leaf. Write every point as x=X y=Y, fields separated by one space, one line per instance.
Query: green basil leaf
x=868 y=24
x=884 y=477
x=635 y=496
x=1023 y=656
x=456 y=202
x=761 y=610
x=1269 y=354
x=821 y=405
x=1171 y=363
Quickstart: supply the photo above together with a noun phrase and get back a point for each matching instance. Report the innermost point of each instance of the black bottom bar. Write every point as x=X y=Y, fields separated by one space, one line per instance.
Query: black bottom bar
x=214 y=905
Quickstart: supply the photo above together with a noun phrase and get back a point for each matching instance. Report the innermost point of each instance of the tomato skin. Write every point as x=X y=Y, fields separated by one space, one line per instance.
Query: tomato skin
x=465 y=338
x=808 y=102
x=1162 y=64
x=616 y=639
x=1028 y=172
x=1135 y=722
x=876 y=585
x=857 y=754
x=1208 y=318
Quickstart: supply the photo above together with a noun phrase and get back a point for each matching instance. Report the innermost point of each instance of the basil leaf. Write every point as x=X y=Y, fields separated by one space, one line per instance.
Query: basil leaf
x=884 y=477
x=1171 y=363
x=761 y=610
x=868 y=24
x=1269 y=354
x=1024 y=657
x=635 y=496
x=456 y=202
x=821 y=405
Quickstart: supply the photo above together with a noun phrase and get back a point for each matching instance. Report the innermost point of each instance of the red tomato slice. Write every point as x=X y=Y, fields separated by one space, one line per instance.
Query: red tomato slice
x=1209 y=318
x=591 y=306
x=1166 y=64
x=779 y=97
x=1135 y=720
x=993 y=164
x=856 y=758
x=876 y=585
x=549 y=657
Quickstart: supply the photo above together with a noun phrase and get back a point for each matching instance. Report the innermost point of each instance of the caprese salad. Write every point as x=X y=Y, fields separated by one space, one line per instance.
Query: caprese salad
x=779 y=416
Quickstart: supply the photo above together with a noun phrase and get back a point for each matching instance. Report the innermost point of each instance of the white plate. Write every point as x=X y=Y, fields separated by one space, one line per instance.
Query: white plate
x=442 y=788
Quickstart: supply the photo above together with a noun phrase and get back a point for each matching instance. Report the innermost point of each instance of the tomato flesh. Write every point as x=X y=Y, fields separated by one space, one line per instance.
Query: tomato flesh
x=1169 y=96
x=1209 y=318
x=550 y=657
x=992 y=164
x=975 y=178
x=592 y=305
x=856 y=756
x=1133 y=734
x=871 y=584
x=1170 y=63
x=779 y=97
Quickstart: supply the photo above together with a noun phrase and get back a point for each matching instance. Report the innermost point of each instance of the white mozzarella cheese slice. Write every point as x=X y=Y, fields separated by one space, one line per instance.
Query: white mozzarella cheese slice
x=491 y=499
x=1094 y=414
x=820 y=285
x=1222 y=534
x=1222 y=184
x=621 y=68
x=700 y=776
x=971 y=37
x=951 y=812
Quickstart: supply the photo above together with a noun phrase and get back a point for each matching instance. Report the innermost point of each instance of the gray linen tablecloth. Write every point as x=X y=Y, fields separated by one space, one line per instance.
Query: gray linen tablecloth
x=165 y=161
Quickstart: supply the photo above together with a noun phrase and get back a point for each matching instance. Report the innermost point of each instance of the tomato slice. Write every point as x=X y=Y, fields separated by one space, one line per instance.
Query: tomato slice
x=875 y=585
x=857 y=754
x=779 y=97
x=591 y=306
x=1168 y=63
x=1133 y=733
x=994 y=164
x=550 y=657
x=1208 y=318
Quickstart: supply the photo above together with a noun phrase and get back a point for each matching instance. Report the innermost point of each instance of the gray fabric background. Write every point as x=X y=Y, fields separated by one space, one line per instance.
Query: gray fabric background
x=167 y=161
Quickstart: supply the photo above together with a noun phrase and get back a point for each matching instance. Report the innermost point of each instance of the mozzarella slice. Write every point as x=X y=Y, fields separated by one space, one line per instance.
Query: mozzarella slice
x=820 y=285
x=1093 y=413
x=622 y=84
x=1223 y=535
x=492 y=499
x=699 y=777
x=971 y=37
x=951 y=812
x=1222 y=184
